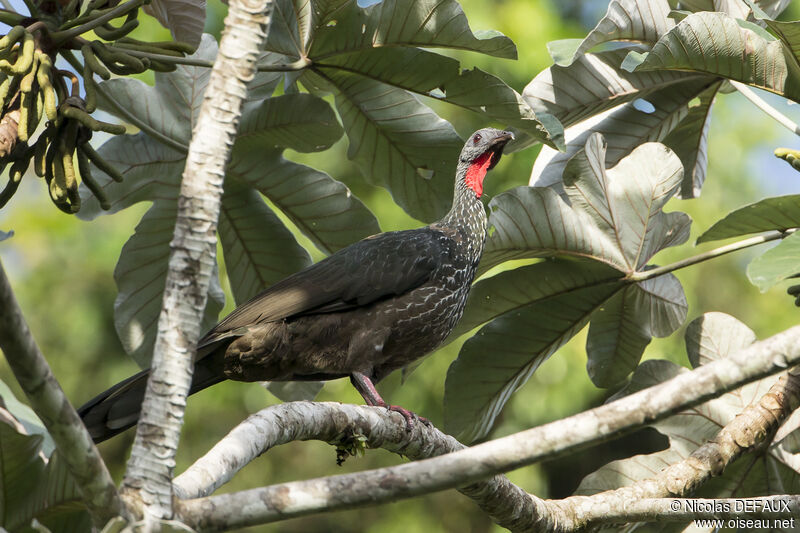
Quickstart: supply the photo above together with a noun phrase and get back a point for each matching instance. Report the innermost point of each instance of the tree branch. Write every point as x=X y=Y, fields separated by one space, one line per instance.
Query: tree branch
x=279 y=502
x=147 y=484
x=752 y=428
x=337 y=424
x=59 y=417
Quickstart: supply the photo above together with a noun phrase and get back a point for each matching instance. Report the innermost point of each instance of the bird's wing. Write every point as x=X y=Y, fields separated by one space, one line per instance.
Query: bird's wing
x=378 y=267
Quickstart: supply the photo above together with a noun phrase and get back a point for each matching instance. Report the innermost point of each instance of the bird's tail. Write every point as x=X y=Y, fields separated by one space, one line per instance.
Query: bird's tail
x=117 y=409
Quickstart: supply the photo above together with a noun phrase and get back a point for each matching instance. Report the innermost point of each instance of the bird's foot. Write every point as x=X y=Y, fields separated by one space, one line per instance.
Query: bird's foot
x=410 y=416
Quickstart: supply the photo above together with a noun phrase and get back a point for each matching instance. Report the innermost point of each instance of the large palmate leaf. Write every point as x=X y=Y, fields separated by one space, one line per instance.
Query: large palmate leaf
x=185 y=19
x=321 y=207
x=252 y=236
x=141 y=273
x=773 y=471
x=423 y=23
x=777 y=213
x=32 y=487
x=716 y=44
x=776 y=264
x=26 y=417
x=592 y=84
x=286 y=121
x=398 y=142
x=254 y=262
x=504 y=354
x=625 y=20
x=593 y=95
x=169 y=109
x=623 y=327
x=614 y=218
x=690 y=141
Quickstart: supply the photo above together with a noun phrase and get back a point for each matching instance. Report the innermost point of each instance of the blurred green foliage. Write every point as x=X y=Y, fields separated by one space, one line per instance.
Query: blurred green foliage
x=61 y=269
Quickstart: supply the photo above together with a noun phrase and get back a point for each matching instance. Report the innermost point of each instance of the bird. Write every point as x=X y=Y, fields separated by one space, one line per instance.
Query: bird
x=366 y=310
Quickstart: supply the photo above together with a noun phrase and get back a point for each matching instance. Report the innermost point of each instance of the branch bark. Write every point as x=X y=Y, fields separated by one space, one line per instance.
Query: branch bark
x=51 y=405
x=751 y=428
x=147 y=484
x=339 y=424
x=279 y=502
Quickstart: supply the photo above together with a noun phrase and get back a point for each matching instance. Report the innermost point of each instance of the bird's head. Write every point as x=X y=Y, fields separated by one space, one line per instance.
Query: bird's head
x=480 y=154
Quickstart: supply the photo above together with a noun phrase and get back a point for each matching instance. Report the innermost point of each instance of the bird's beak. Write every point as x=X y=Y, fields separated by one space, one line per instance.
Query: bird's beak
x=497 y=145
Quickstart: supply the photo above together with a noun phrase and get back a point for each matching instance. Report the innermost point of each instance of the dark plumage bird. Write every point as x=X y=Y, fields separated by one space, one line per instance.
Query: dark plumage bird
x=363 y=312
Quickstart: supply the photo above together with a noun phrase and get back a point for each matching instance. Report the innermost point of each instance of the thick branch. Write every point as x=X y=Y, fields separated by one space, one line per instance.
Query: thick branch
x=751 y=428
x=72 y=440
x=147 y=481
x=279 y=502
x=337 y=424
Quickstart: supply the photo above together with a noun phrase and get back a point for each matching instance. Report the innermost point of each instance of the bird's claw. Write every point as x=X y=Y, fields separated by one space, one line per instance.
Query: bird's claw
x=410 y=416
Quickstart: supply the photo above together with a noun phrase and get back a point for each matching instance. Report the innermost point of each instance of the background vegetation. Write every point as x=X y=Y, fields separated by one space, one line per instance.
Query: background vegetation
x=61 y=269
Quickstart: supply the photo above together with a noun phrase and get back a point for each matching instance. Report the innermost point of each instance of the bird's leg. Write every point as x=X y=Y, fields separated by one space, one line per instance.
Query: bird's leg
x=364 y=386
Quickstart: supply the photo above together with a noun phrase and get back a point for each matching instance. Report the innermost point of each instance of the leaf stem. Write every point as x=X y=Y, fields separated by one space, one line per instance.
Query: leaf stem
x=61 y=36
x=711 y=254
x=760 y=103
x=288 y=67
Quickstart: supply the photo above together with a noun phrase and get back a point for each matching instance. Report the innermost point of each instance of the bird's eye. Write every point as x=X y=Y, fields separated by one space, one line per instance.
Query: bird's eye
x=476 y=138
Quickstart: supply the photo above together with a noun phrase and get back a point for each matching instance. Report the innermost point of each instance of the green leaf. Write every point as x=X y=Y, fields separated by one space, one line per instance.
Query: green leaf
x=151 y=170
x=170 y=107
x=290 y=27
x=398 y=142
x=623 y=327
x=21 y=471
x=714 y=336
x=615 y=217
x=57 y=502
x=515 y=289
x=563 y=51
x=321 y=207
x=437 y=76
x=478 y=386
x=629 y=125
x=25 y=416
x=254 y=262
x=481 y=92
x=185 y=19
x=295 y=391
x=413 y=69
x=777 y=213
x=735 y=8
x=776 y=264
x=594 y=83
x=424 y=23
x=708 y=338
x=690 y=141
x=301 y=122
x=716 y=44
x=626 y=20
x=140 y=274
x=31 y=487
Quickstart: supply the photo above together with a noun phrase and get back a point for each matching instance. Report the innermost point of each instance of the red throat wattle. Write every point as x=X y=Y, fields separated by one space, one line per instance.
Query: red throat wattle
x=477 y=171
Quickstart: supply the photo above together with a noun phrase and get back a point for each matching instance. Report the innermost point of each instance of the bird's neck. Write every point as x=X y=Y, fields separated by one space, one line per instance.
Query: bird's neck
x=467 y=211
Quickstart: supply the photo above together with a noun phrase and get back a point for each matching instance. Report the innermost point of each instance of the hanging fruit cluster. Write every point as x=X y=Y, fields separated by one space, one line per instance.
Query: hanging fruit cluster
x=32 y=88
